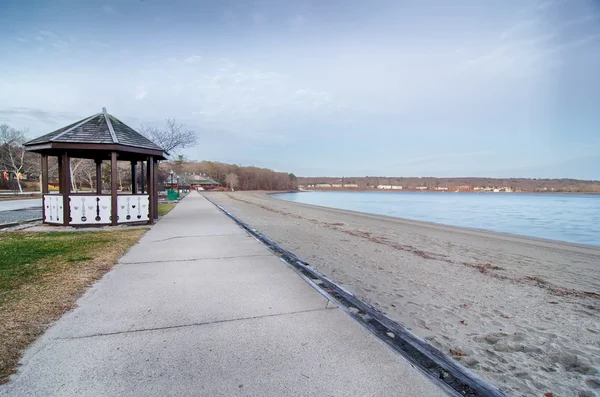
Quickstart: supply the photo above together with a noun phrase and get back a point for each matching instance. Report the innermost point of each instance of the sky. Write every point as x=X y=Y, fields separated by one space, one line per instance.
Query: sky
x=499 y=88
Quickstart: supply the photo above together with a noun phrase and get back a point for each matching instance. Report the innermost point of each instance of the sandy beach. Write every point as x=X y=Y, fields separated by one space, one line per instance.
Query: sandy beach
x=522 y=313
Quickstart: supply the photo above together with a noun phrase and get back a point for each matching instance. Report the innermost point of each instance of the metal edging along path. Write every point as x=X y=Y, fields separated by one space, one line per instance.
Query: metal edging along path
x=446 y=372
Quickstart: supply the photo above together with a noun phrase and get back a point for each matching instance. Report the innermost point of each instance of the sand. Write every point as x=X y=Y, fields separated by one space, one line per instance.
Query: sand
x=522 y=313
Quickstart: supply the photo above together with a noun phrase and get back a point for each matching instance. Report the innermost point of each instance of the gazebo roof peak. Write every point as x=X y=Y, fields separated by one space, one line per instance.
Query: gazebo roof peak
x=101 y=128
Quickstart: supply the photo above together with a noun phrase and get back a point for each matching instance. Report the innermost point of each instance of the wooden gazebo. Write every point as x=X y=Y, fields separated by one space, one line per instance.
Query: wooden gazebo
x=101 y=137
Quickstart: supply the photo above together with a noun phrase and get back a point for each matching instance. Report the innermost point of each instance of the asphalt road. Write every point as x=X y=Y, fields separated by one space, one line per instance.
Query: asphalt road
x=10 y=205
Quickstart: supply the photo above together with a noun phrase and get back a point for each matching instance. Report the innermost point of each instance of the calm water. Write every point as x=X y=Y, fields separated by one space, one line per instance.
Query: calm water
x=565 y=217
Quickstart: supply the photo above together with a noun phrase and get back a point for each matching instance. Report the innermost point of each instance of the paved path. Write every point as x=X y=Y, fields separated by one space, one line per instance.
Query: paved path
x=20 y=215
x=200 y=308
x=9 y=205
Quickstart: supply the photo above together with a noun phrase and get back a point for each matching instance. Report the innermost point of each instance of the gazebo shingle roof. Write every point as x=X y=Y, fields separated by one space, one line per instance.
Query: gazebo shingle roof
x=99 y=128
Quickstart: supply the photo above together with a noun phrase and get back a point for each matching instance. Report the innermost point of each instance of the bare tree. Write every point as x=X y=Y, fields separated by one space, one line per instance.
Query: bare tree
x=123 y=174
x=12 y=152
x=82 y=170
x=75 y=165
x=232 y=180
x=88 y=173
x=172 y=137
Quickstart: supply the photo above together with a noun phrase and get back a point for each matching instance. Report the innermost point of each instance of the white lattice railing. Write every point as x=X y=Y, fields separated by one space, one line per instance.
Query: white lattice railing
x=88 y=209
x=132 y=208
x=53 y=208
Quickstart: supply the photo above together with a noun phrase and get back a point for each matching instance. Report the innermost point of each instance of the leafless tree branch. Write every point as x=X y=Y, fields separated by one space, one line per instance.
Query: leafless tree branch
x=172 y=137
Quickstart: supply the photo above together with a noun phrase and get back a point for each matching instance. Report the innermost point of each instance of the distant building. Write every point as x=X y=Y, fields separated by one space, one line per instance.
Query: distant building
x=190 y=181
x=389 y=187
x=350 y=185
x=323 y=185
x=441 y=188
x=338 y=185
x=421 y=188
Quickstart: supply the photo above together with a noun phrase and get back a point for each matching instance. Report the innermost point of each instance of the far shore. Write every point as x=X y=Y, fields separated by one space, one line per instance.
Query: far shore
x=428 y=191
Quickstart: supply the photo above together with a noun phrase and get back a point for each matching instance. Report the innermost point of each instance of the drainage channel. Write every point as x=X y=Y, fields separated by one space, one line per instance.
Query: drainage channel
x=447 y=373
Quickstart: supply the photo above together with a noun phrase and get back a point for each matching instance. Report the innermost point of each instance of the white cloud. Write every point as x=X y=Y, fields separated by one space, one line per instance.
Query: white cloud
x=48 y=34
x=49 y=39
x=140 y=92
x=193 y=59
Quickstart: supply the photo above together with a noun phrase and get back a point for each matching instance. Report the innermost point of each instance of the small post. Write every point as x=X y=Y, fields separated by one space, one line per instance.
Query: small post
x=113 y=188
x=44 y=184
x=151 y=190
x=65 y=176
x=155 y=189
x=44 y=176
x=98 y=176
x=134 y=177
x=142 y=179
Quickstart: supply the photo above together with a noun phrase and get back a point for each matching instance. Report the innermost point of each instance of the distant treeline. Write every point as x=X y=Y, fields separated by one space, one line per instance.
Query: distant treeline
x=463 y=184
x=248 y=178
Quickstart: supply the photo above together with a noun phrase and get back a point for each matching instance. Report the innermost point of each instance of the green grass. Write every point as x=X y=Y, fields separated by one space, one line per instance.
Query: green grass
x=26 y=256
x=165 y=208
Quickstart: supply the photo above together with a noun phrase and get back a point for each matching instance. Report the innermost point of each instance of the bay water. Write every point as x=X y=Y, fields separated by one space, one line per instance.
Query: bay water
x=573 y=218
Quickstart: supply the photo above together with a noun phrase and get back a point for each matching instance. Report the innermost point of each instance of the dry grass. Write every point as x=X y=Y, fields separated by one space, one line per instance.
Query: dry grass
x=165 y=208
x=41 y=276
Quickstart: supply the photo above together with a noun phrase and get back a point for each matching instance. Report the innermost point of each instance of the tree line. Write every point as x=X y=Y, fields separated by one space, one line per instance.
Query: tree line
x=233 y=176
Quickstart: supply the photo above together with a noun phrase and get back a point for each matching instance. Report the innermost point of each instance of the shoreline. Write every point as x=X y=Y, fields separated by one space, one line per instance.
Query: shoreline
x=423 y=223
x=430 y=191
x=521 y=312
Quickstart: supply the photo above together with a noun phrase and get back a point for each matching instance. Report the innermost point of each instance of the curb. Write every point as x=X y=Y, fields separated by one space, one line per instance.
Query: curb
x=11 y=224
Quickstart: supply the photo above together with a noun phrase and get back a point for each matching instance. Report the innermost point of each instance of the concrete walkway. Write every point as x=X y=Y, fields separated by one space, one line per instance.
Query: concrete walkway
x=200 y=308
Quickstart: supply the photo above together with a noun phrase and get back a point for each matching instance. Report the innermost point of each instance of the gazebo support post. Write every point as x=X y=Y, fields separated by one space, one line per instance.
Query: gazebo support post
x=155 y=189
x=134 y=177
x=142 y=180
x=151 y=191
x=44 y=182
x=113 y=188
x=64 y=176
x=98 y=176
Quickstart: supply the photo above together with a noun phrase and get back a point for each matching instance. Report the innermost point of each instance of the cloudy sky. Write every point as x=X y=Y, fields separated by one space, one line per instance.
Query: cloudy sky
x=323 y=87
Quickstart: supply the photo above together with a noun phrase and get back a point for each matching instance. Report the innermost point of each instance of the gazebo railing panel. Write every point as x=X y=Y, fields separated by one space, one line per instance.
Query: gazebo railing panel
x=53 y=208
x=94 y=209
x=89 y=209
x=133 y=208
